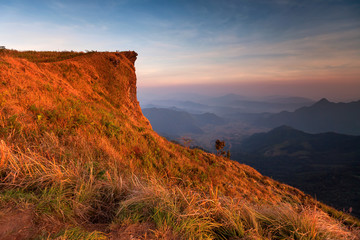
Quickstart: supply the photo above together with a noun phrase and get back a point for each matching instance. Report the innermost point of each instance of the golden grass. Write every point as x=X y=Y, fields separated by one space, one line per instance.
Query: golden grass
x=45 y=56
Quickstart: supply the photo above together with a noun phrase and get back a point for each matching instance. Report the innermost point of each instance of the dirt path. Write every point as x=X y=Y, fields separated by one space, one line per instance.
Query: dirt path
x=16 y=224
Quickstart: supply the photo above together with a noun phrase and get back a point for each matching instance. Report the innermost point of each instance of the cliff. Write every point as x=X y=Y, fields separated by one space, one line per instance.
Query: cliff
x=78 y=158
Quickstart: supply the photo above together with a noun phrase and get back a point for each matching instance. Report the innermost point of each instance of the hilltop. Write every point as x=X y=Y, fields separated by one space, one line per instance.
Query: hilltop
x=80 y=161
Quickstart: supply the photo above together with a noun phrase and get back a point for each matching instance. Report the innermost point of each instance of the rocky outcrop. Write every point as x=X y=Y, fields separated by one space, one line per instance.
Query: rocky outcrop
x=131 y=55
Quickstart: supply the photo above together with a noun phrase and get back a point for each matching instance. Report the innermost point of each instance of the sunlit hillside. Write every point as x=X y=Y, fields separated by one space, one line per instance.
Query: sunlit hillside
x=78 y=160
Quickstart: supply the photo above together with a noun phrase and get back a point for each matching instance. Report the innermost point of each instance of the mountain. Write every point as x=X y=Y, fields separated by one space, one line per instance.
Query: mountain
x=225 y=99
x=323 y=116
x=186 y=106
x=239 y=104
x=230 y=104
x=78 y=160
x=324 y=165
x=282 y=99
x=171 y=123
x=208 y=119
x=174 y=123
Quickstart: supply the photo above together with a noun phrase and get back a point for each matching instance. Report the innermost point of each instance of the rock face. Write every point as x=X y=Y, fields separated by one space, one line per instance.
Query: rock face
x=131 y=55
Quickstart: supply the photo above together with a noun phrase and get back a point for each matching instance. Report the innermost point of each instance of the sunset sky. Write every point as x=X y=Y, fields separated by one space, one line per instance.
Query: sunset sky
x=253 y=47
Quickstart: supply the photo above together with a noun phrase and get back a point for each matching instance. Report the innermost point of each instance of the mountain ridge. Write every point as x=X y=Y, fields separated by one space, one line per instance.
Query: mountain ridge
x=322 y=116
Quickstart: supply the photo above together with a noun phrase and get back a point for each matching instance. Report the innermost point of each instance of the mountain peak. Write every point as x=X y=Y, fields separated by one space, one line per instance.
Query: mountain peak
x=323 y=101
x=286 y=131
x=284 y=127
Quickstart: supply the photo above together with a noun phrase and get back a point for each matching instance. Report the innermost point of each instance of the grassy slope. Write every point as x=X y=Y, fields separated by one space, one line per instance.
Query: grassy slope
x=78 y=158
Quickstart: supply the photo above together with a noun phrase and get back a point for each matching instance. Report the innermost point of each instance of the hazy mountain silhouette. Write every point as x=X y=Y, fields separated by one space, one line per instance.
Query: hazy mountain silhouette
x=230 y=104
x=226 y=99
x=187 y=106
x=325 y=165
x=240 y=104
x=173 y=123
x=323 y=116
x=282 y=99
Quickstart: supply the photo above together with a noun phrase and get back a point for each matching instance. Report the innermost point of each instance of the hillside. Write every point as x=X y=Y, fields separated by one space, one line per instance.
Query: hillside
x=322 y=116
x=324 y=165
x=80 y=161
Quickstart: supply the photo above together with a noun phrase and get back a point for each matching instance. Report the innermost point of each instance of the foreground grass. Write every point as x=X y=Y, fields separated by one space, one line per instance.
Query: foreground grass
x=77 y=196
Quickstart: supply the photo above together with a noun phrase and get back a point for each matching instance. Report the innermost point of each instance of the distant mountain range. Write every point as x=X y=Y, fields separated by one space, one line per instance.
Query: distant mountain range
x=325 y=165
x=270 y=104
x=297 y=112
x=323 y=116
x=230 y=104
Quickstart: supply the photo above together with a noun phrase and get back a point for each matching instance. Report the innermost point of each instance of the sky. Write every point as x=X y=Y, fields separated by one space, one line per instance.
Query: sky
x=307 y=48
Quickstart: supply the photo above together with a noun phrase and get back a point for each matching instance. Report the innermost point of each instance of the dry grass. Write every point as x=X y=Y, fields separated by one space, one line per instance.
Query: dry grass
x=46 y=56
x=75 y=146
x=76 y=194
